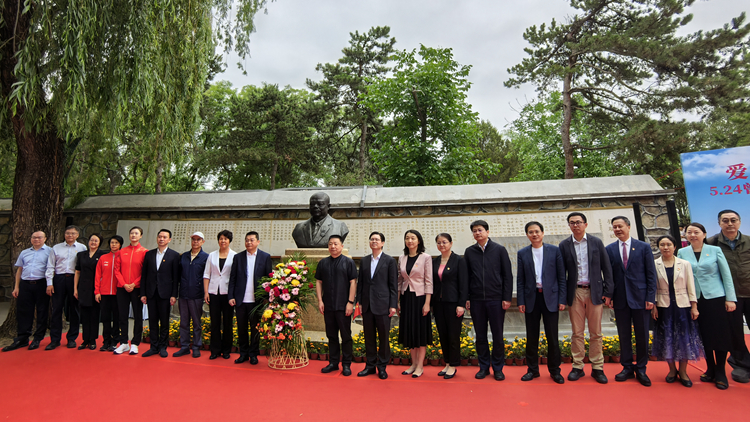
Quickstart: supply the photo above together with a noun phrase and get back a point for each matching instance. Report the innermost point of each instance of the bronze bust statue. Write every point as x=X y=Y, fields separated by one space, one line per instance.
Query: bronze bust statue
x=314 y=233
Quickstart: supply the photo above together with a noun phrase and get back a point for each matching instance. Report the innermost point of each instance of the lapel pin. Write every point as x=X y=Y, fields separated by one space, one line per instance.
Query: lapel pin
x=449 y=268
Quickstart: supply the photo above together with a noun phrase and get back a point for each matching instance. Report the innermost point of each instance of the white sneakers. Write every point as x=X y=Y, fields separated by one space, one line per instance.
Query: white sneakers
x=134 y=349
x=122 y=348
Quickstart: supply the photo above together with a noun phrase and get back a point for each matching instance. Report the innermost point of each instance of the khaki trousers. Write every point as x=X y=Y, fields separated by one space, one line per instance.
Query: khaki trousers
x=581 y=310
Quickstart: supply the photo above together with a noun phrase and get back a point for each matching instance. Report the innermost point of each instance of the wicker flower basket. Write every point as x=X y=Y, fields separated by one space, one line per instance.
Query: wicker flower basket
x=289 y=354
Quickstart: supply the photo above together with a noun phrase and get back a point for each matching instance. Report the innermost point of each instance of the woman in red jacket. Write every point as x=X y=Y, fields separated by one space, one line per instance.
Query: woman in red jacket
x=129 y=292
x=105 y=288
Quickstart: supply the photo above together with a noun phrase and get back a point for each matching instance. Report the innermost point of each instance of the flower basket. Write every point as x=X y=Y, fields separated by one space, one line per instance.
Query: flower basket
x=289 y=353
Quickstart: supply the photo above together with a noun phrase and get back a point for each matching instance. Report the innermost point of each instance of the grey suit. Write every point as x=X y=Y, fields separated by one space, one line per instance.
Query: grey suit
x=305 y=238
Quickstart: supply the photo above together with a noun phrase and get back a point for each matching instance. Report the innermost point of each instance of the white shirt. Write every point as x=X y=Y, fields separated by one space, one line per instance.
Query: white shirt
x=582 y=256
x=249 y=293
x=374 y=264
x=62 y=260
x=619 y=246
x=538 y=254
x=160 y=256
x=218 y=280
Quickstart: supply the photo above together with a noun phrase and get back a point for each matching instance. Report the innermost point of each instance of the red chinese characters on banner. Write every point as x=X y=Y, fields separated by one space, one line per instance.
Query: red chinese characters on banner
x=737 y=171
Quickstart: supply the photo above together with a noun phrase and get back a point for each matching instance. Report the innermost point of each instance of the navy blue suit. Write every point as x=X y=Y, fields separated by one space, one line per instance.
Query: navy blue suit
x=634 y=286
x=541 y=304
x=246 y=318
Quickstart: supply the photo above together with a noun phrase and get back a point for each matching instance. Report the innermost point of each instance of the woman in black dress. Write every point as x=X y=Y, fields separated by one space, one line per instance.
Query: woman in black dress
x=84 y=291
x=450 y=291
x=415 y=288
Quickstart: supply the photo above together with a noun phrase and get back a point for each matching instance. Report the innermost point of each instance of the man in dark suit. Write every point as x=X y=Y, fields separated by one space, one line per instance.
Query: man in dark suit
x=160 y=281
x=590 y=286
x=377 y=294
x=634 y=272
x=247 y=270
x=541 y=295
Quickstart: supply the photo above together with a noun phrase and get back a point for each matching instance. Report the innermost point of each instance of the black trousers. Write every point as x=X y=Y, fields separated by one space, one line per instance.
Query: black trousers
x=63 y=295
x=740 y=354
x=221 y=324
x=158 y=321
x=449 y=330
x=32 y=297
x=490 y=313
x=377 y=348
x=90 y=323
x=337 y=322
x=110 y=320
x=124 y=300
x=638 y=318
x=540 y=312
x=247 y=319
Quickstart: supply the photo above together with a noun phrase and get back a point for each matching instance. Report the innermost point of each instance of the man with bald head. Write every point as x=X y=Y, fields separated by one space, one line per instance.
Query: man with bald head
x=315 y=232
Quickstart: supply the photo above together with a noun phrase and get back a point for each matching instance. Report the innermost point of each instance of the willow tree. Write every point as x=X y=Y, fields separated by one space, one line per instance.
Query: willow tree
x=87 y=70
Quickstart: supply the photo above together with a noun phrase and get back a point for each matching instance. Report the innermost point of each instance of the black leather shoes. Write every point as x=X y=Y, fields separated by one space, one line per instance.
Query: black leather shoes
x=449 y=376
x=104 y=347
x=253 y=360
x=181 y=352
x=575 y=374
x=643 y=379
x=330 y=368
x=213 y=356
x=15 y=345
x=150 y=352
x=163 y=353
x=226 y=355
x=241 y=359
x=499 y=376
x=670 y=378
x=346 y=370
x=71 y=344
x=83 y=345
x=686 y=382
x=529 y=376
x=34 y=345
x=52 y=346
x=92 y=346
x=624 y=375
x=559 y=379
x=441 y=373
x=196 y=353
x=481 y=374
x=383 y=375
x=598 y=376
x=365 y=372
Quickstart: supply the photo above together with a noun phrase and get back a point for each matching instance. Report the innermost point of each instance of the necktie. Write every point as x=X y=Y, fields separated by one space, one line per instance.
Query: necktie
x=625 y=255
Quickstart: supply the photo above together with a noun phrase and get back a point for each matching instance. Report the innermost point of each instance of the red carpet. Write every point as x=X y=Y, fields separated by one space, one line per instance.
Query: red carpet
x=72 y=385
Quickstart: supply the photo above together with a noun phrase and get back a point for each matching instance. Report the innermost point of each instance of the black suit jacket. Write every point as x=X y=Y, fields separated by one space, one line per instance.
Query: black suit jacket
x=454 y=287
x=166 y=280
x=553 y=278
x=600 y=269
x=238 y=276
x=380 y=293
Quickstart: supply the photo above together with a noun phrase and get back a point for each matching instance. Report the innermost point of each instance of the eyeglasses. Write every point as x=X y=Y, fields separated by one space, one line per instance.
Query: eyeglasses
x=575 y=223
x=733 y=220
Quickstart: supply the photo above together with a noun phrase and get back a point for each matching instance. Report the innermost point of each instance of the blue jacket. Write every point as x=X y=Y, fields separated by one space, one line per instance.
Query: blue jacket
x=191 y=279
x=635 y=285
x=712 y=275
x=490 y=275
x=553 y=278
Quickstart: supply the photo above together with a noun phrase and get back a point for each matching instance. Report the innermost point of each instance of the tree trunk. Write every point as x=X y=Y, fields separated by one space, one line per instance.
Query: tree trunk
x=567 y=119
x=273 y=172
x=159 y=171
x=363 y=151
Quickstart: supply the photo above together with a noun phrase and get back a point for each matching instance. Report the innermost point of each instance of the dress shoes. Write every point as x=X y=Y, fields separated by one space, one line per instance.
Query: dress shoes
x=242 y=359
x=598 y=376
x=112 y=348
x=253 y=360
x=330 y=368
x=52 y=346
x=83 y=345
x=670 y=379
x=481 y=374
x=34 y=345
x=407 y=372
x=643 y=379
x=499 y=376
x=104 y=347
x=383 y=375
x=740 y=375
x=557 y=378
x=441 y=373
x=150 y=352
x=92 y=346
x=196 y=353
x=226 y=355
x=181 y=352
x=213 y=356
x=575 y=374
x=625 y=375
x=415 y=375
x=365 y=372
x=71 y=344
x=163 y=353
x=686 y=382
x=529 y=376
x=15 y=345
x=449 y=376
x=346 y=370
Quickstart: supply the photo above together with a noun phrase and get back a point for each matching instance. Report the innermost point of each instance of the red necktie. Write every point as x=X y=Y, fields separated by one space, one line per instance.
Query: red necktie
x=625 y=255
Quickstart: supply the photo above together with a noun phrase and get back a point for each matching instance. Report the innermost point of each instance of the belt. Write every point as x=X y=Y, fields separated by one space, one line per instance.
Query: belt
x=68 y=275
x=584 y=286
x=33 y=281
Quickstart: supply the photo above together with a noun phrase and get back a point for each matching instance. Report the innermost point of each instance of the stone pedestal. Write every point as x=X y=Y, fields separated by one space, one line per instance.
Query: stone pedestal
x=312 y=254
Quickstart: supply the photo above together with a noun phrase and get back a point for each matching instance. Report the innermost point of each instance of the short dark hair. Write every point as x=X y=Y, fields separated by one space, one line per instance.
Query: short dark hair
x=445 y=235
x=134 y=228
x=576 y=214
x=533 y=223
x=225 y=233
x=420 y=247
x=73 y=227
x=335 y=236
x=382 y=236
x=165 y=231
x=252 y=233
x=668 y=237
x=699 y=226
x=480 y=223
x=722 y=212
x=98 y=236
x=118 y=238
x=623 y=218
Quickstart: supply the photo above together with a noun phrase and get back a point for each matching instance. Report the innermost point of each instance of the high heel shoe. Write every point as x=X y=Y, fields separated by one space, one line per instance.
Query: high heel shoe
x=417 y=376
x=449 y=376
x=686 y=382
x=407 y=372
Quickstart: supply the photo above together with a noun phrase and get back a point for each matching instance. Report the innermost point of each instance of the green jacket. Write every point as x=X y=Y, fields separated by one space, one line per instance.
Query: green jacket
x=738 y=260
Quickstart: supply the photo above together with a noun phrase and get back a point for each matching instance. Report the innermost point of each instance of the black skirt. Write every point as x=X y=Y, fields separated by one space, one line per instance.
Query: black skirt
x=414 y=329
x=714 y=325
